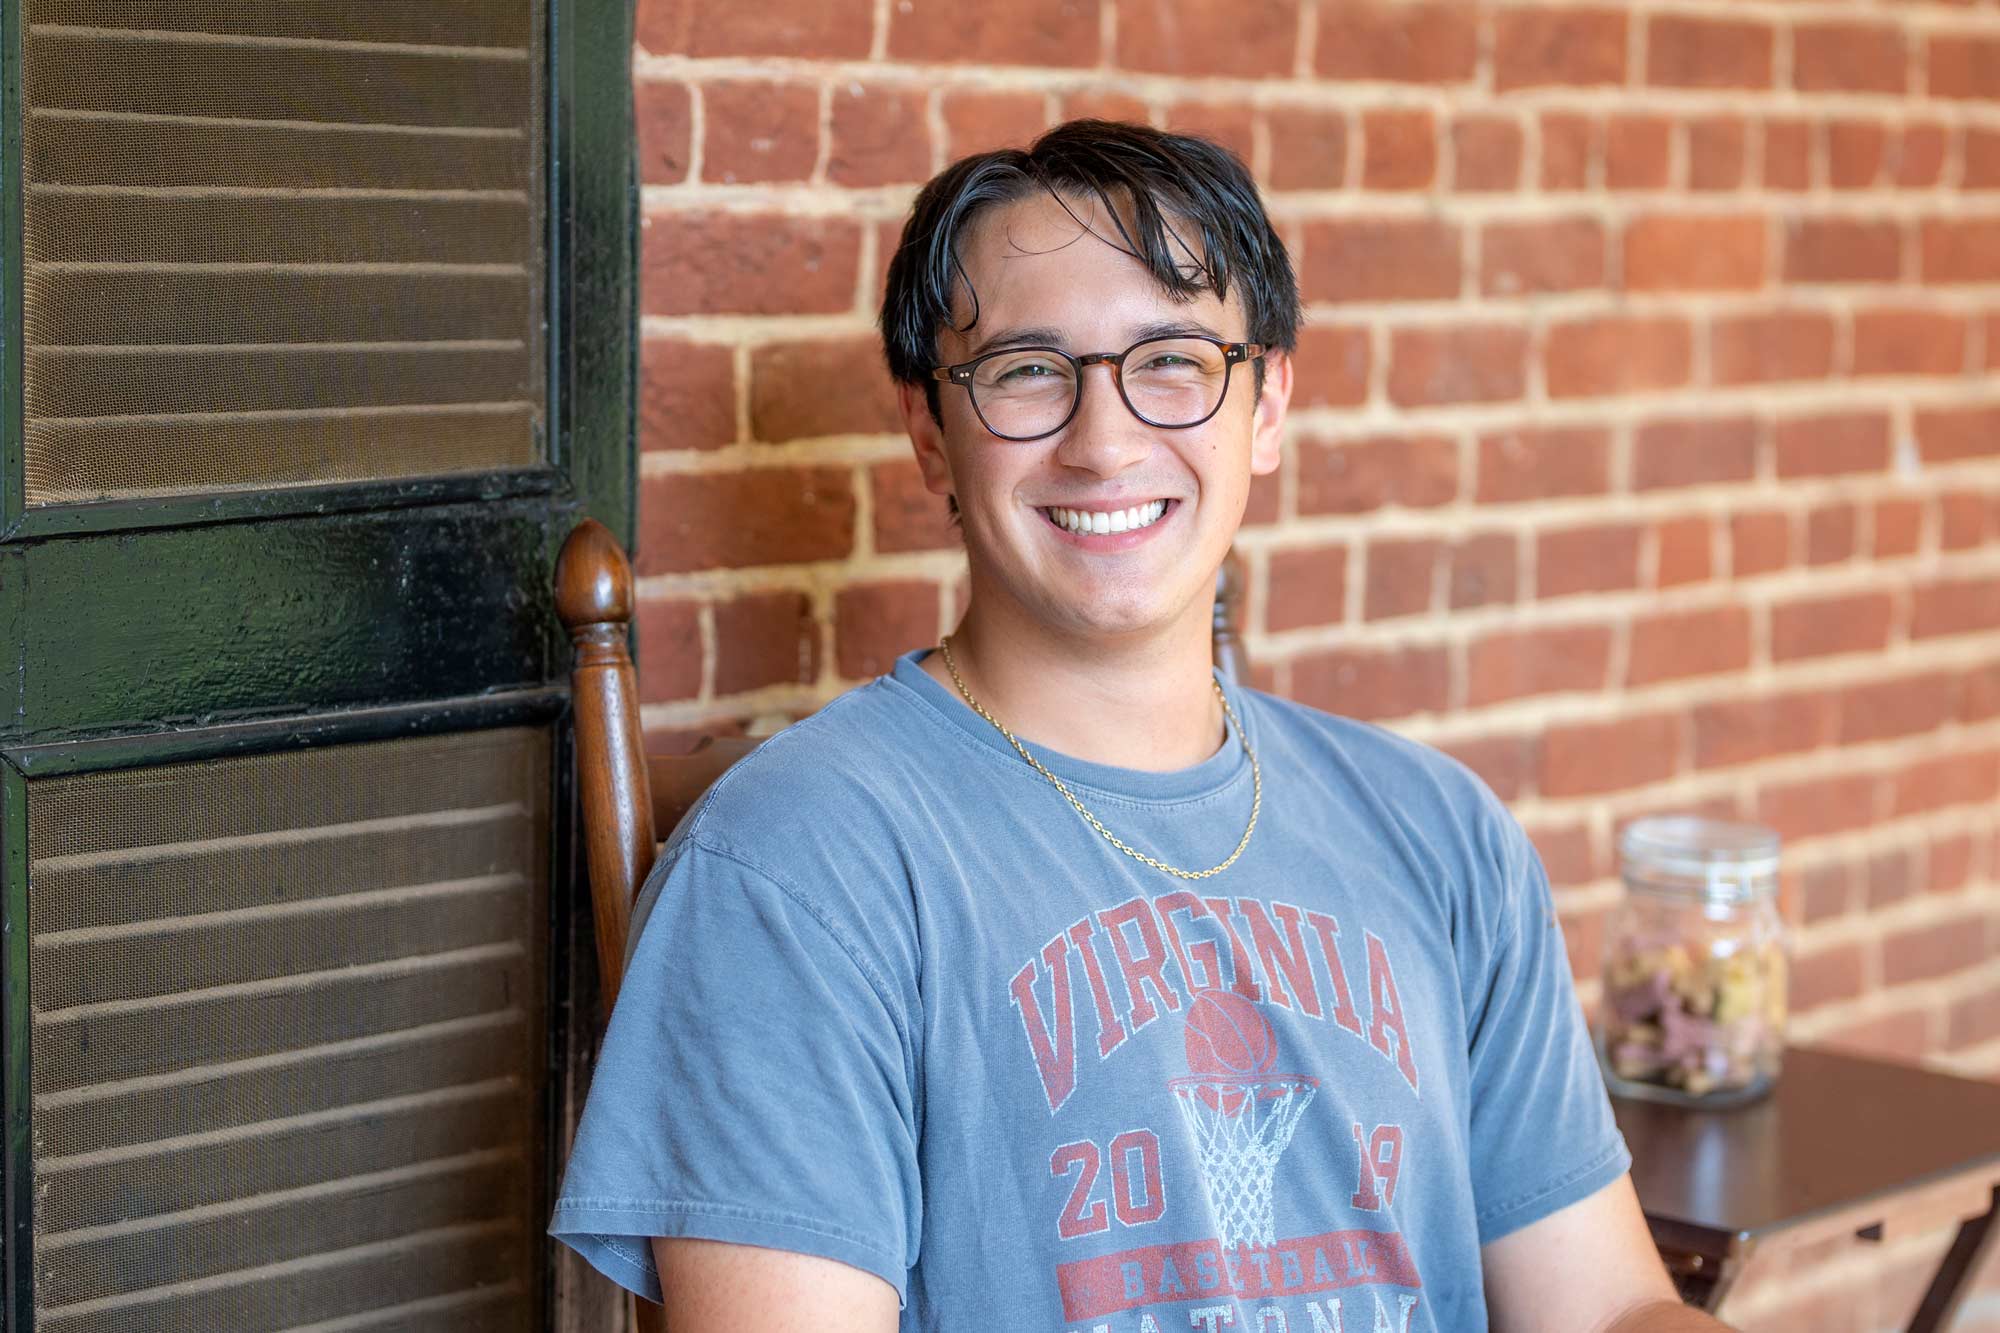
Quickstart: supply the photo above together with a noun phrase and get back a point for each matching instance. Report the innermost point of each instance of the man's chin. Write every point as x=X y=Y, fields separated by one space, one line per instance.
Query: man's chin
x=1120 y=617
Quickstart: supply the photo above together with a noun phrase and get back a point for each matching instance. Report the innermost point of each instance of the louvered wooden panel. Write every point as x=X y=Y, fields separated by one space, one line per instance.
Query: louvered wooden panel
x=472 y=23
x=279 y=245
x=287 y=1031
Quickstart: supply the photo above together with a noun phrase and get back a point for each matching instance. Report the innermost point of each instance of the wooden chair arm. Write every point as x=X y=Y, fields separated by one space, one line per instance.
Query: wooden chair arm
x=594 y=602
x=1226 y=622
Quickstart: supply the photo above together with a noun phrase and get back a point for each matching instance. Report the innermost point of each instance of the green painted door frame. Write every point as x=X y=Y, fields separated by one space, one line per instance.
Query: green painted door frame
x=162 y=630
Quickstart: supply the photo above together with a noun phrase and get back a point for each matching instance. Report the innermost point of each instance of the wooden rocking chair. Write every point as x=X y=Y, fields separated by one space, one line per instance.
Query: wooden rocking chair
x=630 y=798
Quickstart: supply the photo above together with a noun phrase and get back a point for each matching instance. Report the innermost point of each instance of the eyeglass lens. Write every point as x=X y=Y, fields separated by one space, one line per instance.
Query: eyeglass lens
x=1166 y=382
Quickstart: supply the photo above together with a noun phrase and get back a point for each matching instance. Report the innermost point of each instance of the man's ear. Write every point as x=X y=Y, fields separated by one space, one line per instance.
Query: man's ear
x=926 y=438
x=1267 y=431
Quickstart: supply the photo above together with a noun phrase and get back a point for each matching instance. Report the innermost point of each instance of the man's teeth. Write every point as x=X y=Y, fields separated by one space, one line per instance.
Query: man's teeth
x=1097 y=521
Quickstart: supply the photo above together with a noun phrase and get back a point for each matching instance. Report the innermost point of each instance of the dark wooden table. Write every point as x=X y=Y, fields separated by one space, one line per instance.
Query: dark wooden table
x=1842 y=1145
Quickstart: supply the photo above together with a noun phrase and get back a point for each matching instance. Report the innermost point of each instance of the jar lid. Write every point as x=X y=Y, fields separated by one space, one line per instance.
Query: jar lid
x=1712 y=857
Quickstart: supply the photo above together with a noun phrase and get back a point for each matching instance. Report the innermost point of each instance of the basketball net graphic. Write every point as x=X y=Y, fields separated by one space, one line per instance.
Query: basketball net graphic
x=1241 y=1115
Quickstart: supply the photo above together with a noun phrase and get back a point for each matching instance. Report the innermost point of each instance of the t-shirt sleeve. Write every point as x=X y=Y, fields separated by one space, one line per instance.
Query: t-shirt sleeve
x=1543 y=1136
x=755 y=1085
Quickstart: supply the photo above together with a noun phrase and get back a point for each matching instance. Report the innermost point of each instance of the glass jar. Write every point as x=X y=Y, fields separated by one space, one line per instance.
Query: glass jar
x=1695 y=964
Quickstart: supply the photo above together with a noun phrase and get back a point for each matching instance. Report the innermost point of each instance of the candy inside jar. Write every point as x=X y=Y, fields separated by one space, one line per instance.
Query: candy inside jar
x=1693 y=1006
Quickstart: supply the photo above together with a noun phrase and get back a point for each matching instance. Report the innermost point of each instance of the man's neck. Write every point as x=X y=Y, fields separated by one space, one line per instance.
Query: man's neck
x=1146 y=703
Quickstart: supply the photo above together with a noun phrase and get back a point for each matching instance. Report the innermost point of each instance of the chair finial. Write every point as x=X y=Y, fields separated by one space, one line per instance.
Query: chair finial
x=593 y=578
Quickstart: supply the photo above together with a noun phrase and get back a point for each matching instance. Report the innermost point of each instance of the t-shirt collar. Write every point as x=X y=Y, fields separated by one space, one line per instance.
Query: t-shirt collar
x=1206 y=778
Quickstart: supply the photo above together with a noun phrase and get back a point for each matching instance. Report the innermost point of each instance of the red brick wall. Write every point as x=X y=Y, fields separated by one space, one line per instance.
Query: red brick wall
x=1647 y=444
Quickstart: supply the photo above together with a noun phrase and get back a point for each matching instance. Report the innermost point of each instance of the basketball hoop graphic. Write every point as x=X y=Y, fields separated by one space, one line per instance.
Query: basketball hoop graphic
x=1241 y=1114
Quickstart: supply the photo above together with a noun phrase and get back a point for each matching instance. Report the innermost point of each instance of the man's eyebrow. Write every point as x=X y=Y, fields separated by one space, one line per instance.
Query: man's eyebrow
x=1051 y=337
x=1177 y=328
x=1041 y=337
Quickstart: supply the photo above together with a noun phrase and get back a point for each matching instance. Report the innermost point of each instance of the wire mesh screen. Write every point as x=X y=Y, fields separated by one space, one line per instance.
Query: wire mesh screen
x=276 y=245
x=288 y=1038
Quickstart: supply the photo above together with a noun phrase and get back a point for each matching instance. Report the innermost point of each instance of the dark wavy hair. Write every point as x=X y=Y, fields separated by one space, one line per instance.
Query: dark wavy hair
x=1145 y=179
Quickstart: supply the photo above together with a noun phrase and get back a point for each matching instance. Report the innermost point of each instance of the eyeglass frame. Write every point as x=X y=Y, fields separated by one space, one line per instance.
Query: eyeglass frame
x=1233 y=355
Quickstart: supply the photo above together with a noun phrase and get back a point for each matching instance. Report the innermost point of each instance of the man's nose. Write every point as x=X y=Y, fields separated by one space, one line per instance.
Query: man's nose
x=1103 y=437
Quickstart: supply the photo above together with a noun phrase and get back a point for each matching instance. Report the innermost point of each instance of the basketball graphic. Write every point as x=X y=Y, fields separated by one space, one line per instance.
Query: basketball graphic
x=1239 y=1111
x=1228 y=1037
x=1227 y=1034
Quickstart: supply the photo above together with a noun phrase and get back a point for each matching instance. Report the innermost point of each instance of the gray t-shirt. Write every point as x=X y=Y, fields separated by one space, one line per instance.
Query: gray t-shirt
x=891 y=1001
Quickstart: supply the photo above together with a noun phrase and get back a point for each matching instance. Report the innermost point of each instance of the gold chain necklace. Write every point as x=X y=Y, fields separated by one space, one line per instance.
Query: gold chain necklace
x=1256 y=778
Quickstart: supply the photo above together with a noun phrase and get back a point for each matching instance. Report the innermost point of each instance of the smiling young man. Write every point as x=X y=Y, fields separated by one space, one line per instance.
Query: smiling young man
x=1050 y=982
